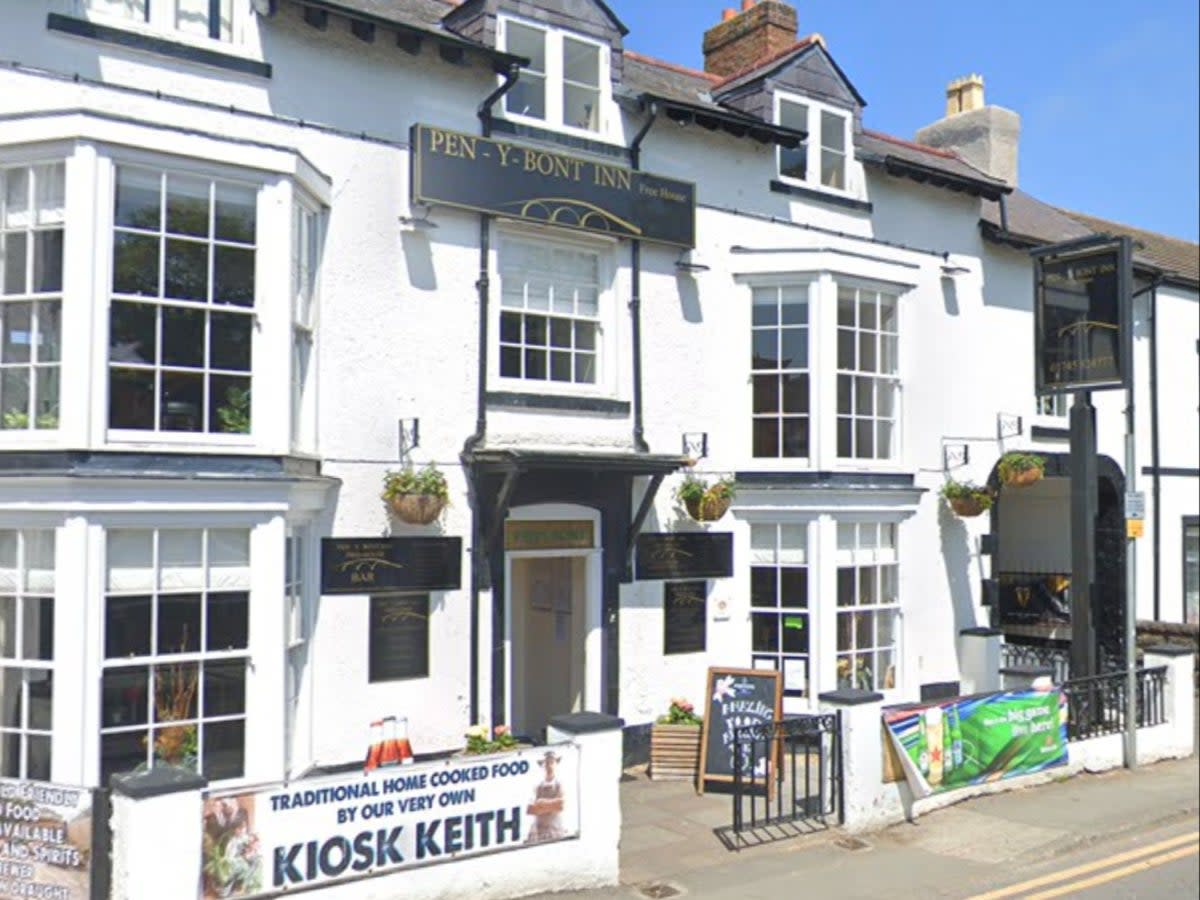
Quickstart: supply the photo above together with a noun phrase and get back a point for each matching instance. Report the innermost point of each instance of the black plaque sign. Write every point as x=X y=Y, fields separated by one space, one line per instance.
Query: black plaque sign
x=737 y=697
x=685 y=614
x=390 y=565
x=1036 y=601
x=470 y=172
x=1082 y=302
x=684 y=555
x=399 y=641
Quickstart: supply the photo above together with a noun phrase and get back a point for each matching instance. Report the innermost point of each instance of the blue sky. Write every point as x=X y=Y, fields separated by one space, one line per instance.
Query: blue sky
x=1108 y=91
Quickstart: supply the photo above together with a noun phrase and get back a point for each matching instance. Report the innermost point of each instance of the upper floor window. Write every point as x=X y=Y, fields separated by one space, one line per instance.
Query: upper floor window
x=1053 y=405
x=779 y=368
x=306 y=249
x=868 y=374
x=182 y=315
x=563 y=85
x=822 y=159
x=31 y=276
x=550 y=312
x=202 y=18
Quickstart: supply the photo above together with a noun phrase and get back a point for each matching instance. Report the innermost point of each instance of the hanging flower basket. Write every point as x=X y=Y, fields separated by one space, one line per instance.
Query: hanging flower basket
x=705 y=502
x=416 y=497
x=1018 y=470
x=966 y=499
x=417 y=509
x=968 y=507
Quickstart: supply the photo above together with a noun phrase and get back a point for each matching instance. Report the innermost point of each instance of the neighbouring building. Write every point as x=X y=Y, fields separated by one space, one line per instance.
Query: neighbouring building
x=254 y=254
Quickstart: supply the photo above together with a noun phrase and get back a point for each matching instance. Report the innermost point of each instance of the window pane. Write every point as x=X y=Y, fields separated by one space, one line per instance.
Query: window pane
x=233 y=276
x=845 y=590
x=766 y=393
x=794 y=163
x=224 y=688
x=795 y=633
x=846 y=305
x=178 y=624
x=560 y=366
x=16 y=332
x=535 y=364
x=765 y=349
x=175 y=690
x=764 y=308
x=535 y=330
x=228 y=621
x=49 y=328
x=231 y=337
x=581 y=107
x=843 y=438
x=39 y=561
x=795 y=437
x=229 y=404
x=884 y=433
x=864 y=396
x=16 y=199
x=762 y=543
x=581 y=62
x=224 y=750
x=41 y=698
x=37 y=637
x=864 y=438
x=130 y=560
x=766 y=437
x=183 y=337
x=833 y=169
x=236 y=215
x=795 y=393
x=12 y=256
x=229 y=558
x=8 y=628
x=560 y=333
x=528 y=97
x=195 y=17
x=510 y=328
x=510 y=362
x=763 y=586
x=793 y=348
x=138 y=199
x=50 y=190
x=182 y=402
x=135 y=264
x=130 y=399
x=127 y=627
x=132 y=333
x=123 y=693
x=585 y=369
x=833 y=131
x=187 y=205
x=12 y=712
x=38 y=764
x=528 y=42
x=122 y=752
x=764 y=630
x=47 y=261
x=186 y=270
x=867 y=360
x=794 y=588
x=793 y=307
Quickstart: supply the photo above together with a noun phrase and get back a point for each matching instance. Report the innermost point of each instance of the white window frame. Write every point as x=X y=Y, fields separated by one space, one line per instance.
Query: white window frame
x=811 y=322
x=1052 y=406
x=555 y=79
x=607 y=326
x=859 y=557
x=814 y=145
x=161 y=17
x=777 y=660
x=877 y=376
x=308 y=221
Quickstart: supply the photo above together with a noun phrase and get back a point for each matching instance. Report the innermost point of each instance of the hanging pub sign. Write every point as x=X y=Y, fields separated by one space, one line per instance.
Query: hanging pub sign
x=470 y=172
x=684 y=555
x=390 y=565
x=1082 y=319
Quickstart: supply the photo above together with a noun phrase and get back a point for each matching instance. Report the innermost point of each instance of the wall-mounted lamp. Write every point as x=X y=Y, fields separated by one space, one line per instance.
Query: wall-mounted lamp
x=410 y=435
x=695 y=444
x=1008 y=425
x=419 y=220
x=949 y=269
x=687 y=263
x=955 y=456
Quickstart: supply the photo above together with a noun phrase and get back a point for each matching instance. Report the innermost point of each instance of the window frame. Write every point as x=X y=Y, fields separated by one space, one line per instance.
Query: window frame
x=1189 y=524
x=606 y=321
x=814 y=145
x=308 y=220
x=809 y=610
x=856 y=559
x=161 y=19
x=555 y=81
x=878 y=377
x=810 y=325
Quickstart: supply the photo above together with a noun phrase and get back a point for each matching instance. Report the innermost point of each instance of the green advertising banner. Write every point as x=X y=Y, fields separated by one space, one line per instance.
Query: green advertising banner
x=971 y=740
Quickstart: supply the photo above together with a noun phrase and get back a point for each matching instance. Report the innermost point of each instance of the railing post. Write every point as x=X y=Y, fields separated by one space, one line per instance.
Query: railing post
x=861 y=744
x=979 y=659
x=1178 y=692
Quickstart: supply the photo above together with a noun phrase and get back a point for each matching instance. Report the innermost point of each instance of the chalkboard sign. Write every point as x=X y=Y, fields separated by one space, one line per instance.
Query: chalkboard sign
x=390 y=565
x=737 y=697
x=684 y=555
x=399 y=637
x=684 y=616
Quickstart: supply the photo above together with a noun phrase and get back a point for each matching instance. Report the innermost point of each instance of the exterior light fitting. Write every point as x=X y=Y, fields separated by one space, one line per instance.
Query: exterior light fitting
x=686 y=263
x=420 y=220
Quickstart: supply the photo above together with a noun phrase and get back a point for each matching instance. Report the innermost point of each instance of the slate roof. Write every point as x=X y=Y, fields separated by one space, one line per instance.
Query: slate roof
x=1172 y=255
x=645 y=74
x=423 y=14
x=942 y=168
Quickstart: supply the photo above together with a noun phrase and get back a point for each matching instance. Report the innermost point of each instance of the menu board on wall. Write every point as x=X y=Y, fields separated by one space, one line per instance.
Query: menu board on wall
x=684 y=616
x=399 y=637
x=46 y=843
x=390 y=565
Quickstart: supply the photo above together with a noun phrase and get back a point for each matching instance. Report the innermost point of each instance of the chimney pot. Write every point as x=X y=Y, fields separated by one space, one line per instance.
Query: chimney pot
x=746 y=4
x=964 y=94
x=985 y=136
x=728 y=14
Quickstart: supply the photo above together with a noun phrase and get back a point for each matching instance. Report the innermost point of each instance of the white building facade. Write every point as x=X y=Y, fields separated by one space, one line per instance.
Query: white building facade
x=225 y=319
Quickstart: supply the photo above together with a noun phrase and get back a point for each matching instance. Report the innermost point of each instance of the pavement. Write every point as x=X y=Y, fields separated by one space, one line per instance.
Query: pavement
x=671 y=844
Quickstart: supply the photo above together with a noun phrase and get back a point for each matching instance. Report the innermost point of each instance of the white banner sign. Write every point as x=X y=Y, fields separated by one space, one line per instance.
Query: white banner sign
x=45 y=841
x=324 y=830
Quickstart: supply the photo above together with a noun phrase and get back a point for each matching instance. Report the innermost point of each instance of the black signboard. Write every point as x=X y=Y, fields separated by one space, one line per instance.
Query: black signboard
x=390 y=565
x=470 y=172
x=737 y=697
x=1082 y=317
x=1035 y=601
x=684 y=555
x=399 y=637
x=685 y=614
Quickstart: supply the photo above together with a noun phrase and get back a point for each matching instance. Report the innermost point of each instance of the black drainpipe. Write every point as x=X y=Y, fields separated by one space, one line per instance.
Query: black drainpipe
x=1155 y=478
x=482 y=286
x=635 y=302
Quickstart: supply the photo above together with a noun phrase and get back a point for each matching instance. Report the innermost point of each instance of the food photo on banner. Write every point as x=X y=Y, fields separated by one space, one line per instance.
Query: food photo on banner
x=45 y=840
x=325 y=830
x=972 y=740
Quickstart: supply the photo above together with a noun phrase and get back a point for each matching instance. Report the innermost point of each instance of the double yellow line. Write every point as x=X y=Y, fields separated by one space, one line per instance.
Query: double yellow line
x=1137 y=861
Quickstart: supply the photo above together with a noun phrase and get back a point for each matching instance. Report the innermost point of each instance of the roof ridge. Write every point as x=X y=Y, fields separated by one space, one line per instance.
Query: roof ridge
x=800 y=44
x=670 y=66
x=1084 y=218
x=913 y=145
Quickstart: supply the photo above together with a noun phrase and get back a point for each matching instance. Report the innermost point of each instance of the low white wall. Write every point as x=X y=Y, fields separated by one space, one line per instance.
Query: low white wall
x=141 y=818
x=870 y=803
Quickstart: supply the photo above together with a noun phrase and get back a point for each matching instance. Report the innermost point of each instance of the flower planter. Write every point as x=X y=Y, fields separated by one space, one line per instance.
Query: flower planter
x=417 y=509
x=708 y=508
x=1023 y=478
x=674 y=752
x=967 y=507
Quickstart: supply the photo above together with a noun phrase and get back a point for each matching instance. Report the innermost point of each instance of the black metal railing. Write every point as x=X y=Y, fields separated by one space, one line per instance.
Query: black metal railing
x=1055 y=658
x=1096 y=705
x=787 y=778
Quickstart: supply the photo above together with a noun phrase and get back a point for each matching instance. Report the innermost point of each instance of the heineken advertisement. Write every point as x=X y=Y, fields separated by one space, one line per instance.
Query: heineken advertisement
x=469 y=172
x=973 y=740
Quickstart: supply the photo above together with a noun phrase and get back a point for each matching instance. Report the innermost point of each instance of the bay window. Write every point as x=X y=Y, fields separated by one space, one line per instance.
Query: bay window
x=867 y=373
x=176 y=639
x=26 y=652
x=779 y=369
x=31 y=278
x=779 y=620
x=181 y=318
x=549 y=312
x=867 y=605
x=564 y=83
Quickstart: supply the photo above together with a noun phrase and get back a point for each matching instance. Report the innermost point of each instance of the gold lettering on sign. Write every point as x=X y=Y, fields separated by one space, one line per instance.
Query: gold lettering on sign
x=614 y=177
x=566 y=534
x=450 y=143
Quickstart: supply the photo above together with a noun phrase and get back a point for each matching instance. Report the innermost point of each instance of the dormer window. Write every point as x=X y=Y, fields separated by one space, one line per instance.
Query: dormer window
x=199 y=18
x=821 y=160
x=563 y=84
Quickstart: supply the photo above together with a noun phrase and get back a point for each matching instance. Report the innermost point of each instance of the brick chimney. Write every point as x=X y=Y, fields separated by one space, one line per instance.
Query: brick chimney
x=985 y=136
x=743 y=38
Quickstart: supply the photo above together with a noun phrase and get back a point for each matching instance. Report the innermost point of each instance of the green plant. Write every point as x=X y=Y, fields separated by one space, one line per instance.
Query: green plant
x=482 y=740
x=967 y=491
x=15 y=418
x=681 y=712
x=695 y=489
x=234 y=413
x=428 y=481
x=1014 y=463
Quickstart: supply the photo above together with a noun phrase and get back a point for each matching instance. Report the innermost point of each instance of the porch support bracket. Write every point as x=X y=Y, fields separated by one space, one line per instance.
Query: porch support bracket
x=639 y=518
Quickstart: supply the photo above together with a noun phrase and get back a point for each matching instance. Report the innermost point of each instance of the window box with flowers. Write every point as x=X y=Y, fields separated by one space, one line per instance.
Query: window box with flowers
x=675 y=743
x=416 y=497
